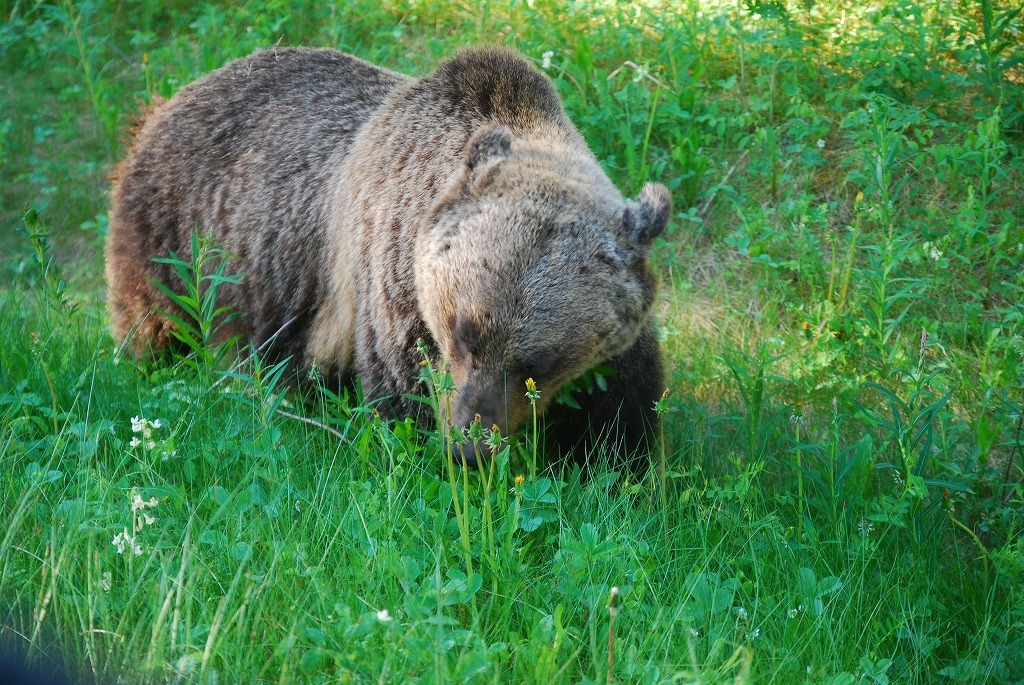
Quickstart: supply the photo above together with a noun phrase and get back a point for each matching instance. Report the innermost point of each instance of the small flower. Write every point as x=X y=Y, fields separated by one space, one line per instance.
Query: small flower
x=531 y=390
x=741 y=613
x=314 y=372
x=694 y=632
x=135 y=442
x=642 y=72
x=792 y=613
x=546 y=58
x=138 y=424
x=384 y=616
x=150 y=520
x=865 y=527
x=139 y=504
x=757 y=632
x=821 y=144
x=150 y=445
x=933 y=252
x=124 y=540
x=493 y=438
x=519 y=480
x=476 y=430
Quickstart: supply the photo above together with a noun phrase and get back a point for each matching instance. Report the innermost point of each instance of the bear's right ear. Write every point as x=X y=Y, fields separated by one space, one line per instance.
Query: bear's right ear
x=486 y=149
x=646 y=216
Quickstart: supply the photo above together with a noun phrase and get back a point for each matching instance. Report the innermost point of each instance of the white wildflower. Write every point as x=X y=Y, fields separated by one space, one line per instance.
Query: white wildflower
x=757 y=631
x=138 y=503
x=124 y=540
x=821 y=143
x=642 y=72
x=933 y=252
x=119 y=541
x=135 y=442
x=741 y=613
x=138 y=424
x=546 y=58
x=384 y=616
x=865 y=527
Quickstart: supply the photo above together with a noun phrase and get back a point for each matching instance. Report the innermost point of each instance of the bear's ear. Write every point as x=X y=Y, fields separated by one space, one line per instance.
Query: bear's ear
x=646 y=216
x=487 y=147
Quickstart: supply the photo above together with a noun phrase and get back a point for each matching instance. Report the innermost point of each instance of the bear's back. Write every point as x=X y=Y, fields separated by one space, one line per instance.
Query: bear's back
x=247 y=154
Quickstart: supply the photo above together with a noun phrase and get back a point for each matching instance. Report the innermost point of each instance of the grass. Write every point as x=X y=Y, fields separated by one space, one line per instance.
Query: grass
x=840 y=500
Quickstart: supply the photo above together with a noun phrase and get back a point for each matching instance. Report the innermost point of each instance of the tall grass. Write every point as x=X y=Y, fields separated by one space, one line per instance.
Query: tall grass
x=836 y=496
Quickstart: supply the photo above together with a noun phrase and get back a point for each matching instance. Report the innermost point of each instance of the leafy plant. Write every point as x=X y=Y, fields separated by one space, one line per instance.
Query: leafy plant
x=198 y=319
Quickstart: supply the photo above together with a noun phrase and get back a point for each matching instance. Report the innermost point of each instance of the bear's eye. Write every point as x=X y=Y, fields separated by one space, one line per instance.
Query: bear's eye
x=539 y=365
x=467 y=337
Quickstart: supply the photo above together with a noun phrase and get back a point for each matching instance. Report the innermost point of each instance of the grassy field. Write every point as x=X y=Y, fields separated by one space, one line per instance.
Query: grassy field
x=841 y=310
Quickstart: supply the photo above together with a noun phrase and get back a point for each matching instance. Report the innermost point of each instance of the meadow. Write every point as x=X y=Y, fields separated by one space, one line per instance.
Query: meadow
x=837 y=493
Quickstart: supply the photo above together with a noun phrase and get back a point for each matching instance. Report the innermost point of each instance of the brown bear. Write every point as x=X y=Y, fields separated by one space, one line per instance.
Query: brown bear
x=369 y=209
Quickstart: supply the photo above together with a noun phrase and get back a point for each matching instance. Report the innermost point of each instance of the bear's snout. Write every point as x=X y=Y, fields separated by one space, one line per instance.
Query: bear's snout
x=492 y=406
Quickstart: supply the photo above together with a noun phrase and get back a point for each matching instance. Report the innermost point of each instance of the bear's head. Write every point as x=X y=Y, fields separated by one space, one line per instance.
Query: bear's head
x=531 y=265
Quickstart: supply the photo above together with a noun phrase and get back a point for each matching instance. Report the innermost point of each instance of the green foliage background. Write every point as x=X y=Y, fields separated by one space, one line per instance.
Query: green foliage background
x=842 y=311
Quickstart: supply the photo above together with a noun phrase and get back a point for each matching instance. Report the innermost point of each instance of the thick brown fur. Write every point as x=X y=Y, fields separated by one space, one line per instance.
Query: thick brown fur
x=370 y=209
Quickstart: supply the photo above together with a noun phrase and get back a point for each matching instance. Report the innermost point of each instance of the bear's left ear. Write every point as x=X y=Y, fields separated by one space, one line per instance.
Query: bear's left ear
x=485 y=150
x=646 y=216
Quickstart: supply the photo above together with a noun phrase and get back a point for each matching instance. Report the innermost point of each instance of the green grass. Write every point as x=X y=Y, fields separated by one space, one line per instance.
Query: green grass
x=841 y=317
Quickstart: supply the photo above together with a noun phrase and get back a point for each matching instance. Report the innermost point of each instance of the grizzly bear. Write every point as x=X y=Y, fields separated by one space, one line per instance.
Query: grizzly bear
x=368 y=209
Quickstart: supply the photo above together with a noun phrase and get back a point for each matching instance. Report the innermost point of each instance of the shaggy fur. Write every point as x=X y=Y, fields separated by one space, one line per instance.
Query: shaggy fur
x=370 y=209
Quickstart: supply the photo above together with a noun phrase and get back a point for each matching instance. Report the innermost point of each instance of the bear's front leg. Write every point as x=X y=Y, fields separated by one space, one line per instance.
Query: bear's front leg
x=622 y=416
